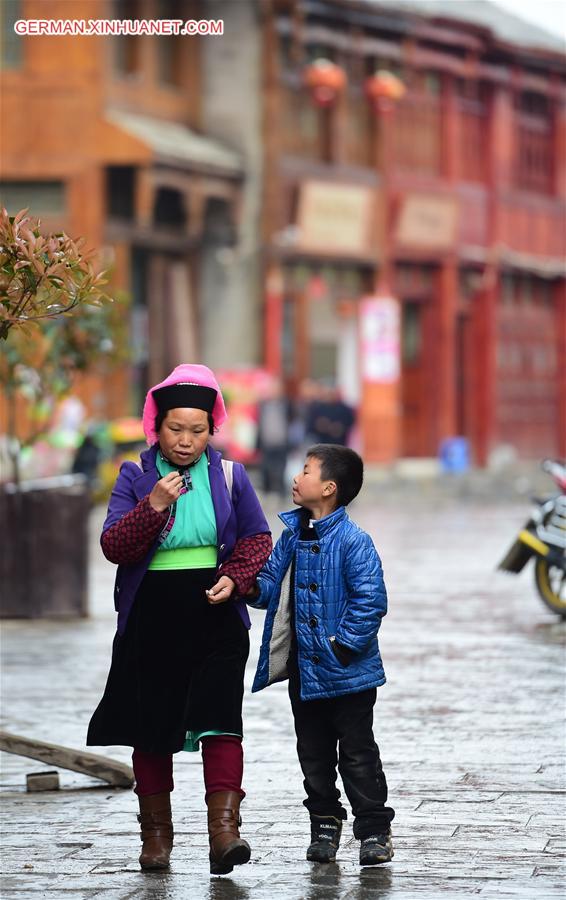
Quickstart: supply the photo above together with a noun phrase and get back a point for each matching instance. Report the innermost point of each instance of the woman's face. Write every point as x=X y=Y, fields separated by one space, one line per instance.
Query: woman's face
x=183 y=435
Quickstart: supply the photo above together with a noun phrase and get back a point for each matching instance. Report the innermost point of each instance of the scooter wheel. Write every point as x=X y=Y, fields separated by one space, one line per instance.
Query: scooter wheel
x=551 y=585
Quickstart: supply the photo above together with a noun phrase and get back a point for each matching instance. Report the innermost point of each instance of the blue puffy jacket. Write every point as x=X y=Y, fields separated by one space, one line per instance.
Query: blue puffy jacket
x=339 y=593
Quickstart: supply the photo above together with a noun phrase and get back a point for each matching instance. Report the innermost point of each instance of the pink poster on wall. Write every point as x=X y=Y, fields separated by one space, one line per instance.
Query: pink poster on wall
x=380 y=339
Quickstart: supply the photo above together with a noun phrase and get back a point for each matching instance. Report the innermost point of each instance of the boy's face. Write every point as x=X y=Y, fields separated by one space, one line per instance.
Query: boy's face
x=308 y=488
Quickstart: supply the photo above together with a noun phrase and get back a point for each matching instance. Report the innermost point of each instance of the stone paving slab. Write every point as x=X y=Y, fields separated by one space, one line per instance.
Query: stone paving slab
x=470 y=727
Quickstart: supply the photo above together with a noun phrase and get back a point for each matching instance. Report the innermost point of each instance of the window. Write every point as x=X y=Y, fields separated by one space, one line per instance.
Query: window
x=507 y=291
x=534 y=151
x=301 y=123
x=11 y=43
x=417 y=132
x=545 y=294
x=171 y=48
x=431 y=83
x=288 y=53
x=359 y=133
x=526 y=290
x=40 y=197
x=411 y=334
x=120 y=192
x=169 y=208
x=316 y=50
x=128 y=46
x=472 y=98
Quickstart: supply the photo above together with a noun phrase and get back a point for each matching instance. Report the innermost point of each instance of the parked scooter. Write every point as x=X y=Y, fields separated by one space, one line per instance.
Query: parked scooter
x=544 y=537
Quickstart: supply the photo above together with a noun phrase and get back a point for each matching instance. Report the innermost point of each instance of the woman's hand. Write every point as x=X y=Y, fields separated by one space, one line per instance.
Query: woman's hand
x=166 y=491
x=221 y=591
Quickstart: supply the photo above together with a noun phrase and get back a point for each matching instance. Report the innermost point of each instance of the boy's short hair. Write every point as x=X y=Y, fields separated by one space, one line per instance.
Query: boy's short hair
x=341 y=465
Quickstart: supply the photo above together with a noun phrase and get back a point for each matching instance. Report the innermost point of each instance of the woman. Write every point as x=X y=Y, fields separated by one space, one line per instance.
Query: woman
x=187 y=545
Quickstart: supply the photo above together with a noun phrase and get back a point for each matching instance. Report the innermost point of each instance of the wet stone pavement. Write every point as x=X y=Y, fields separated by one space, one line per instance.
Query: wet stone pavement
x=470 y=726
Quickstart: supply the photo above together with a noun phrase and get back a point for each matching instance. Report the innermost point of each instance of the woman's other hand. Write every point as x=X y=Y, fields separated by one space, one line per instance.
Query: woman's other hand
x=221 y=591
x=166 y=491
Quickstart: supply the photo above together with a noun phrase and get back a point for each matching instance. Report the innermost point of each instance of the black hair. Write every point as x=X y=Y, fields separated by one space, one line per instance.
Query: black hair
x=160 y=417
x=343 y=466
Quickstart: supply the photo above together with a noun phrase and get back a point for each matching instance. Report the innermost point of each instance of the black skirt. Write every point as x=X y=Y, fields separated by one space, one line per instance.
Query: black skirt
x=178 y=667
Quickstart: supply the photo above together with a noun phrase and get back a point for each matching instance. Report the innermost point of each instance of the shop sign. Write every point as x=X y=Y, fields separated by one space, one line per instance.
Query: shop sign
x=335 y=219
x=428 y=221
x=380 y=339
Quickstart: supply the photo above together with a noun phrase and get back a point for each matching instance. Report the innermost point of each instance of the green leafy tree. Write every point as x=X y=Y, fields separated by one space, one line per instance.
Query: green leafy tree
x=56 y=321
x=42 y=276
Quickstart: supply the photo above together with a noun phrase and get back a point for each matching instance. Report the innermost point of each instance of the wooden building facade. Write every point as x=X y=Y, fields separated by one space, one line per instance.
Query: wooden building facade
x=449 y=202
x=101 y=138
x=410 y=250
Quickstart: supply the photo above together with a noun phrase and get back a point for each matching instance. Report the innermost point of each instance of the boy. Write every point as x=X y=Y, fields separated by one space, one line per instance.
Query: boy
x=325 y=597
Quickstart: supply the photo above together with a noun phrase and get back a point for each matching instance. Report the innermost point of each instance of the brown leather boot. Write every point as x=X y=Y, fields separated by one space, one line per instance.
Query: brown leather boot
x=156 y=830
x=227 y=849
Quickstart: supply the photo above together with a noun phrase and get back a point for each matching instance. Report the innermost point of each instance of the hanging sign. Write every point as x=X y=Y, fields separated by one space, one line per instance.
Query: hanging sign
x=380 y=339
x=335 y=219
x=428 y=221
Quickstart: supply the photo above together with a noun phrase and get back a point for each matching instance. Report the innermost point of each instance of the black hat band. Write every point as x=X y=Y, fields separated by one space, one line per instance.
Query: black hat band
x=184 y=394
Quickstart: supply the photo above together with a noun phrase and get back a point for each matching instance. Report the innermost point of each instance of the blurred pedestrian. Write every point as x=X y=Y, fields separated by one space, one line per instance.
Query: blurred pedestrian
x=86 y=460
x=324 y=593
x=308 y=392
x=188 y=534
x=330 y=419
x=273 y=438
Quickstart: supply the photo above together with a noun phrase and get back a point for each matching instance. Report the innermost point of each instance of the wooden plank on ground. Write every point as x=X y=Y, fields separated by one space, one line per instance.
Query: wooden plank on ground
x=115 y=773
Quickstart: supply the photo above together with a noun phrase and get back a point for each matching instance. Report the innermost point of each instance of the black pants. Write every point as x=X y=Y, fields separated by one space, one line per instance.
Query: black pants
x=339 y=732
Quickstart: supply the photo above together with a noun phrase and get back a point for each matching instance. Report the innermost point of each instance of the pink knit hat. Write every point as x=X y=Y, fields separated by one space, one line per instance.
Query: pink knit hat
x=185 y=374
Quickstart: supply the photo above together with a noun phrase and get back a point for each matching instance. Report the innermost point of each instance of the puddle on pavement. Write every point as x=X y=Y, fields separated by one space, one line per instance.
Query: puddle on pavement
x=226 y=889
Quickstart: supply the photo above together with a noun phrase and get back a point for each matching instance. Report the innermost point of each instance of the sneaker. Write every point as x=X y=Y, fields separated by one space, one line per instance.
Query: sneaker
x=325 y=839
x=375 y=849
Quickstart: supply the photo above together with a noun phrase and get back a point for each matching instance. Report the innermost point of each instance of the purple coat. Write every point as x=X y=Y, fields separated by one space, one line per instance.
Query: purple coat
x=239 y=516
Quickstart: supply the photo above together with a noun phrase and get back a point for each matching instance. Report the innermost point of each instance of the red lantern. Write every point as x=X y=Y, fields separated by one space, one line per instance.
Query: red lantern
x=384 y=89
x=325 y=80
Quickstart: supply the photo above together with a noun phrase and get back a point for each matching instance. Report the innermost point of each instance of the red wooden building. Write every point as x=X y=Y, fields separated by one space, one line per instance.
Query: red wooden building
x=267 y=183
x=449 y=201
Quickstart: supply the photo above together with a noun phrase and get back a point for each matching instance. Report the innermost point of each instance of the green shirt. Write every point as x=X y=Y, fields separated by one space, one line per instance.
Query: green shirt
x=195 y=522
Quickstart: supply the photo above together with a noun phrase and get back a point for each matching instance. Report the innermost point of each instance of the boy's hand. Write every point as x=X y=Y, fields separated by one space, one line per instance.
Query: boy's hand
x=343 y=654
x=221 y=591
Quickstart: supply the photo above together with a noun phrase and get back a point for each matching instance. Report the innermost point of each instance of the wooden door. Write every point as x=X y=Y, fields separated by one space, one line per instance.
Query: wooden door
x=526 y=388
x=464 y=375
x=416 y=380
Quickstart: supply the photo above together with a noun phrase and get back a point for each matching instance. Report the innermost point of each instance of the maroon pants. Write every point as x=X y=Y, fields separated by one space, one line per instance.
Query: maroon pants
x=223 y=767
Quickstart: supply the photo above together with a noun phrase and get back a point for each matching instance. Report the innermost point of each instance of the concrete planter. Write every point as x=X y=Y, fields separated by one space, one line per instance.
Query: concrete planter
x=44 y=548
